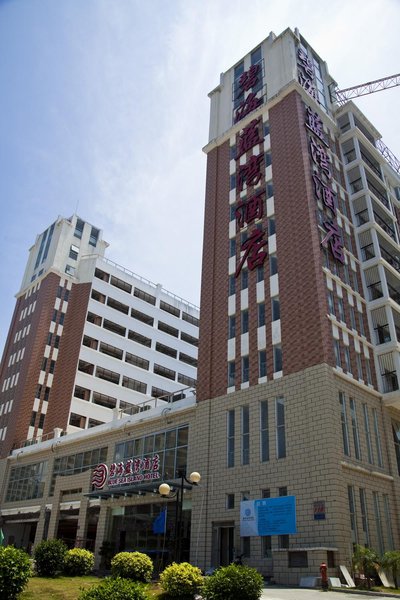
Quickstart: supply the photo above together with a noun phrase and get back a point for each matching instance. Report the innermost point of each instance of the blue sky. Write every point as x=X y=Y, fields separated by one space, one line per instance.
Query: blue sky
x=104 y=111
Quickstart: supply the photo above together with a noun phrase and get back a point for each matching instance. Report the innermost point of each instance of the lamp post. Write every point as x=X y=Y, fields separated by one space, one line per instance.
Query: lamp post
x=166 y=491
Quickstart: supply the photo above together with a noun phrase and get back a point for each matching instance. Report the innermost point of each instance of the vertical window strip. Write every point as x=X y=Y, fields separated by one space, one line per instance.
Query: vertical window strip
x=368 y=435
x=354 y=425
x=245 y=427
x=231 y=438
x=396 y=440
x=264 y=438
x=280 y=427
x=343 y=418
x=386 y=508
x=364 y=516
x=378 y=522
x=377 y=438
x=352 y=511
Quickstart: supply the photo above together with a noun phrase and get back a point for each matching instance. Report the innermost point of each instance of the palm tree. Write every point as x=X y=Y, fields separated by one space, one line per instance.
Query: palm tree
x=366 y=561
x=391 y=561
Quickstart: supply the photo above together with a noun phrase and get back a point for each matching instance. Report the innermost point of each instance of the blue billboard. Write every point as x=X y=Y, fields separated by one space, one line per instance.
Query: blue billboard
x=268 y=516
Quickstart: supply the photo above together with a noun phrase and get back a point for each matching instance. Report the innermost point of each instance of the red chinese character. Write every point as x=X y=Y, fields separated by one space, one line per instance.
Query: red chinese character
x=249 y=78
x=120 y=469
x=324 y=193
x=250 y=173
x=129 y=467
x=247 y=106
x=335 y=240
x=305 y=63
x=308 y=85
x=248 y=138
x=137 y=465
x=253 y=251
x=315 y=124
x=147 y=464
x=320 y=158
x=156 y=462
x=250 y=210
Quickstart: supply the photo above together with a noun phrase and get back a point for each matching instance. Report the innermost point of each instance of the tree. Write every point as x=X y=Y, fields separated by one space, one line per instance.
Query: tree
x=365 y=561
x=391 y=562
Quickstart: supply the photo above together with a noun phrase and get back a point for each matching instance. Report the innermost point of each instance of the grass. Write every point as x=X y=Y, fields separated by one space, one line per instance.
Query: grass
x=65 y=588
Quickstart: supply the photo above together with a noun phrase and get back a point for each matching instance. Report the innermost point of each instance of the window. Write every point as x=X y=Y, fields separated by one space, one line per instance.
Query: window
x=368 y=371
x=331 y=303
x=396 y=440
x=144 y=296
x=277 y=359
x=62 y=317
x=347 y=359
x=139 y=338
x=157 y=392
x=245 y=369
x=79 y=228
x=270 y=192
x=121 y=284
x=118 y=305
x=70 y=270
x=77 y=420
x=111 y=350
x=273 y=264
x=52 y=366
x=336 y=349
x=352 y=513
x=41 y=421
x=368 y=435
x=92 y=318
x=354 y=425
x=104 y=400
x=170 y=309
x=262 y=363
x=341 y=310
x=245 y=431
x=261 y=314
x=244 y=279
x=244 y=321
x=74 y=252
x=378 y=522
x=90 y=342
x=298 y=558
x=364 y=516
x=134 y=384
x=264 y=435
x=95 y=295
x=276 y=309
x=114 y=327
x=85 y=367
x=82 y=393
x=140 y=316
x=268 y=158
x=260 y=274
x=266 y=128
x=102 y=275
x=229 y=501
x=186 y=380
x=164 y=372
x=245 y=546
x=377 y=437
x=231 y=327
x=231 y=373
x=232 y=247
x=280 y=427
x=343 y=418
x=231 y=438
x=166 y=350
x=388 y=520
x=189 y=360
x=137 y=361
x=232 y=183
x=190 y=319
x=168 y=329
x=359 y=366
x=232 y=285
x=94 y=236
x=33 y=419
x=185 y=337
x=107 y=375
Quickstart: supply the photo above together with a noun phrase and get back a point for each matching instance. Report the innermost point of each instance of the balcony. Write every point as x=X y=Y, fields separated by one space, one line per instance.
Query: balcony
x=382 y=334
x=381 y=195
x=394 y=293
x=389 y=229
x=390 y=382
x=375 y=291
x=374 y=166
x=367 y=252
x=393 y=261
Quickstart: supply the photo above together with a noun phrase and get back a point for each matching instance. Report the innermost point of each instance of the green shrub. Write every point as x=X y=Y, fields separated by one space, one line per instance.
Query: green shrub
x=181 y=580
x=115 y=589
x=50 y=556
x=132 y=565
x=78 y=561
x=233 y=582
x=15 y=569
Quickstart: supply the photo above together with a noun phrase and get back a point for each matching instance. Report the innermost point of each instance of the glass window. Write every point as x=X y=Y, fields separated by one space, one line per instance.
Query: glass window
x=364 y=516
x=378 y=522
x=245 y=427
x=377 y=437
x=232 y=327
x=273 y=264
x=245 y=369
x=280 y=427
x=232 y=247
x=277 y=359
x=231 y=438
x=245 y=279
x=262 y=363
x=230 y=501
x=231 y=373
x=232 y=284
x=368 y=435
x=343 y=418
x=261 y=314
x=354 y=425
x=352 y=513
x=244 y=321
x=264 y=435
x=260 y=274
x=276 y=309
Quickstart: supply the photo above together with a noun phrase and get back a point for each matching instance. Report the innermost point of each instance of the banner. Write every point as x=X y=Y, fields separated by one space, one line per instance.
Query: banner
x=160 y=522
x=268 y=516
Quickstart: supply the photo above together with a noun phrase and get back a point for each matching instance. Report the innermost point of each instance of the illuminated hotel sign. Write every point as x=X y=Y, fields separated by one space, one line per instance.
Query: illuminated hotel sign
x=305 y=73
x=252 y=208
x=322 y=180
x=133 y=470
x=247 y=80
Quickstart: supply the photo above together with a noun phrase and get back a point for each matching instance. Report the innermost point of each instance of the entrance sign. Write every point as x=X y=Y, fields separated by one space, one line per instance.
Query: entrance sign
x=133 y=470
x=268 y=516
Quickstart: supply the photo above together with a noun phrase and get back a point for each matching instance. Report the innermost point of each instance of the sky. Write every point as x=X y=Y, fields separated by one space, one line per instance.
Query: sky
x=104 y=112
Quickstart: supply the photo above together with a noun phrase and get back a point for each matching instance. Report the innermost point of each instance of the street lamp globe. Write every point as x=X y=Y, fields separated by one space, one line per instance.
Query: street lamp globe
x=164 y=489
x=194 y=477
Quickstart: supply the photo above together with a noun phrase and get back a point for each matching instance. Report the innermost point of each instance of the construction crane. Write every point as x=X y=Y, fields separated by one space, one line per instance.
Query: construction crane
x=343 y=96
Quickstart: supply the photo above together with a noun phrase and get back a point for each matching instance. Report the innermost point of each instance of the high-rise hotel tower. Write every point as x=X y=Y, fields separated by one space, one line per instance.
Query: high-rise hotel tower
x=299 y=353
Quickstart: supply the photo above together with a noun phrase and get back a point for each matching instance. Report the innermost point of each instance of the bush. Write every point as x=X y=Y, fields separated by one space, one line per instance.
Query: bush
x=181 y=580
x=391 y=562
x=115 y=589
x=78 y=562
x=233 y=582
x=132 y=565
x=15 y=569
x=49 y=556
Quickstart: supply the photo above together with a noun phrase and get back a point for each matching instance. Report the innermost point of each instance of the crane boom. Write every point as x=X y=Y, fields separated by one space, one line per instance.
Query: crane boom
x=342 y=96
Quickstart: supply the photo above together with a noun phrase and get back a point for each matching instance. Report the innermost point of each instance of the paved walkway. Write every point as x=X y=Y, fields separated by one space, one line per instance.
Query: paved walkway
x=277 y=593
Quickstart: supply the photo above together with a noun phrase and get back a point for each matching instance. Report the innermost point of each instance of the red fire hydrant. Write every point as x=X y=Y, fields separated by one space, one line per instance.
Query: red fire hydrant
x=324 y=576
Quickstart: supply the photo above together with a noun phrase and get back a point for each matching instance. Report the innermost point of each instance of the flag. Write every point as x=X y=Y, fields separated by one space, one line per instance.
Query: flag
x=1 y=537
x=160 y=522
